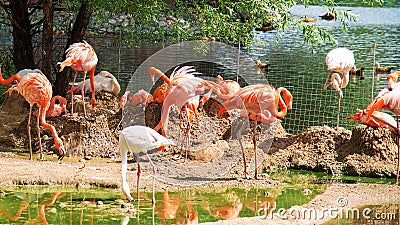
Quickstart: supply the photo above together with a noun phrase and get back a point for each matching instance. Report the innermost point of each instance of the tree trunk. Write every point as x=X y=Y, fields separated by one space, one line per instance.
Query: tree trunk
x=47 y=47
x=77 y=34
x=22 y=37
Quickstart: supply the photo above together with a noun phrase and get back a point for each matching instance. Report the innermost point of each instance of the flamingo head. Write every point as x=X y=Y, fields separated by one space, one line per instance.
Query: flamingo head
x=357 y=116
x=287 y=97
x=152 y=73
x=392 y=79
x=124 y=99
x=63 y=103
x=60 y=147
x=149 y=99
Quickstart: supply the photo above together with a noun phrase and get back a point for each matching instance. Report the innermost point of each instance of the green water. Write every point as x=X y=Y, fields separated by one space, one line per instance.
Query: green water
x=66 y=205
x=61 y=205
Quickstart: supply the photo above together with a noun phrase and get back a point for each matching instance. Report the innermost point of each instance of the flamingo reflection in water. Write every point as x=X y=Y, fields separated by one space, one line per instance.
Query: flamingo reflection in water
x=174 y=208
x=6 y=211
x=41 y=218
x=226 y=212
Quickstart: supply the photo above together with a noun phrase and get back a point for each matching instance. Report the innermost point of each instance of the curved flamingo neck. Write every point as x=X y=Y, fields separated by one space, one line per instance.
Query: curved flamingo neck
x=285 y=103
x=10 y=80
x=336 y=77
x=42 y=116
x=62 y=101
x=154 y=71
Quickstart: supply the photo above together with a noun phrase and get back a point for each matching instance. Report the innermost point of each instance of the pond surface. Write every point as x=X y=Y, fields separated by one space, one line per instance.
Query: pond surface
x=66 y=205
x=81 y=206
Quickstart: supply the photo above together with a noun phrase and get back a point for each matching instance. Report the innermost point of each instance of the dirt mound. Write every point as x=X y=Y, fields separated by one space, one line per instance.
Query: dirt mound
x=367 y=151
x=370 y=152
x=315 y=149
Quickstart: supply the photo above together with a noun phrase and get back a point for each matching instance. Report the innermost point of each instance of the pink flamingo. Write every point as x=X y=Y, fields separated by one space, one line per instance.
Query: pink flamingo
x=138 y=139
x=259 y=102
x=183 y=85
x=142 y=98
x=388 y=98
x=82 y=57
x=226 y=90
x=10 y=80
x=190 y=108
x=36 y=89
x=378 y=119
x=340 y=60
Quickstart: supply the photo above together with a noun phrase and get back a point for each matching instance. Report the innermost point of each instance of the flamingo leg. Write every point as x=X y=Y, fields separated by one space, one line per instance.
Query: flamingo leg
x=29 y=133
x=153 y=200
x=187 y=135
x=398 y=150
x=38 y=132
x=72 y=94
x=255 y=147
x=338 y=114
x=138 y=175
x=187 y=140
x=93 y=91
x=83 y=92
x=241 y=147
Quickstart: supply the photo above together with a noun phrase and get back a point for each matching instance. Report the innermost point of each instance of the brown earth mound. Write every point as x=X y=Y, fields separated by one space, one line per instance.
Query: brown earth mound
x=367 y=151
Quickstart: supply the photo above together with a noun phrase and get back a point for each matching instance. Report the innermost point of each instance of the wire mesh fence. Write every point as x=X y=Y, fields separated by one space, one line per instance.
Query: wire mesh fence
x=293 y=65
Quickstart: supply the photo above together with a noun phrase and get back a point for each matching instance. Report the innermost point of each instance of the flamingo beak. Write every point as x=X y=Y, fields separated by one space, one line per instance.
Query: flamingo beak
x=62 y=149
x=326 y=85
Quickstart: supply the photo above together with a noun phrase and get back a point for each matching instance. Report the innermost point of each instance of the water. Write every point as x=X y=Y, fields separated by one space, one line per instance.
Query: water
x=60 y=205
x=67 y=205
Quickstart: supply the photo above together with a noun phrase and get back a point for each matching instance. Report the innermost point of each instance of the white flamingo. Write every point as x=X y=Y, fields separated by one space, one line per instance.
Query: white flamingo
x=138 y=139
x=104 y=81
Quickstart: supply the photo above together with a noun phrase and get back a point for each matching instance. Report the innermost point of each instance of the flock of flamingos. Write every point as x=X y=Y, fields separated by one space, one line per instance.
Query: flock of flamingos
x=259 y=102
